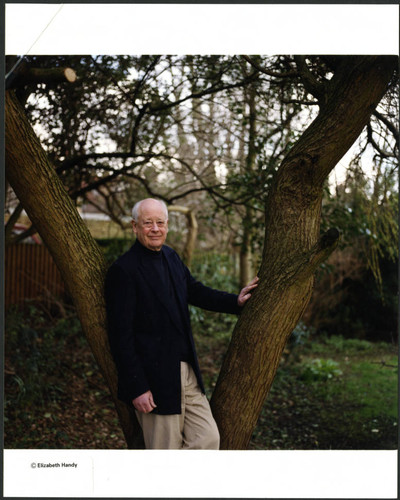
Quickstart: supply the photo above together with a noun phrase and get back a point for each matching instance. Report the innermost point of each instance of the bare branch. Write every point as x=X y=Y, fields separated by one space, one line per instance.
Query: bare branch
x=210 y=90
x=269 y=72
x=135 y=127
x=388 y=124
x=300 y=101
x=371 y=140
x=110 y=212
x=71 y=162
x=140 y=83
x=20 y=237
x=11 y=222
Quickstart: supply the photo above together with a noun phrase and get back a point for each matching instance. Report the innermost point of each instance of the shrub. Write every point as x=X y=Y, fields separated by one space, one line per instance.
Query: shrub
x=320 y=369
x=34 y=344
x=217 y=271
x=341 y=344
x=114 y=247
x=301 y=334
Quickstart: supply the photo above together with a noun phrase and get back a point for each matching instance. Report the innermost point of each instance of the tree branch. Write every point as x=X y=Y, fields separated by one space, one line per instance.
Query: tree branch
x=276 y=74
x=300 y=101
x=76 y=254
x=375 y=145
x=71 y=162
x=22 y=236
x=11 y=222
x=109 y=212
x=388 y=124
x=300 y=268
x=135 y=127
x=26 y=76
x=210 y=90
x=311 y=84
x=140 y=82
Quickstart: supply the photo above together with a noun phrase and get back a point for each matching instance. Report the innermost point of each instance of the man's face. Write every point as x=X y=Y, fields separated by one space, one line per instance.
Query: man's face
x=151 y=228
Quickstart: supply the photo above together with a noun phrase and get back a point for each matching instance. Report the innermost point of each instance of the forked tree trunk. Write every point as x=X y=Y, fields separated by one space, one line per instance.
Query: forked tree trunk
x=291 y=254
x=292 y=247
x=75 y=252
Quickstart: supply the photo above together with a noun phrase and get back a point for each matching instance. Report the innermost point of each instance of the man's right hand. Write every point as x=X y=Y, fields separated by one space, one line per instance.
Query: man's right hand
x=144 y=403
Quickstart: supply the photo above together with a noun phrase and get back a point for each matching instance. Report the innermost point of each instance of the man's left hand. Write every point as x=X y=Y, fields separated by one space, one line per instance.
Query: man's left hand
x=245 y=293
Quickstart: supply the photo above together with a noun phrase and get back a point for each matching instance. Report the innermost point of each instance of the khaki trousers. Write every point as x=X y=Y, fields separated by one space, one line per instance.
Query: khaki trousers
x=193 y=429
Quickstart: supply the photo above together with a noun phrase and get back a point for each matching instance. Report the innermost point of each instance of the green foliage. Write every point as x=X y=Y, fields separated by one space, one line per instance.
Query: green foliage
x=301 y=334
x=217 y=271
x=114 y=247
x=362 y=275
x=212 y=331
x=366 y=212
x=320 y=369
x=339 y=344
x=332 y=393
x=34 y=351
x=158 y=114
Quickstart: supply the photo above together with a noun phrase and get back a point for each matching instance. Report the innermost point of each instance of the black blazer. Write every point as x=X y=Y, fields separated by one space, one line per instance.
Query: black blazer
x=140 y=320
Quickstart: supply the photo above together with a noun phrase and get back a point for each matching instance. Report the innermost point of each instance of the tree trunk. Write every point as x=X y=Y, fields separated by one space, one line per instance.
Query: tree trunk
x=192 y=227
x=246 y=267
x=75 y=252
x=292 y=248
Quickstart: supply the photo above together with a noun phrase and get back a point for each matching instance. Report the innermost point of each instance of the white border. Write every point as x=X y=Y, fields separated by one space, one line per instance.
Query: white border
x=202 y=29
x=206 y=474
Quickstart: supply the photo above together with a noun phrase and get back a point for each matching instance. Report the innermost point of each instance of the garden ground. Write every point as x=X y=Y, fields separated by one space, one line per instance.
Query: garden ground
x=329 y=393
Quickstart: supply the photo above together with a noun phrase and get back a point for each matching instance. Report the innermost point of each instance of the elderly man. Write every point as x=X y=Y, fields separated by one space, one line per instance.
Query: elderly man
x=147 y=291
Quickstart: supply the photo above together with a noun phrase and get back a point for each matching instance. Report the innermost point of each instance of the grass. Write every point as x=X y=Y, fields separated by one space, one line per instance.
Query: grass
x=355 y=408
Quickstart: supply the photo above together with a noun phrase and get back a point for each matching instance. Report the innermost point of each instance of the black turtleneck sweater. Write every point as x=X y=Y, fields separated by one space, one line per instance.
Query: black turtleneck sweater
x=158 y=262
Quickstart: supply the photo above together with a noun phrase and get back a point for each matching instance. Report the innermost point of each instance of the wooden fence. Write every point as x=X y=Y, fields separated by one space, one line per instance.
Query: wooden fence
x=30 y=273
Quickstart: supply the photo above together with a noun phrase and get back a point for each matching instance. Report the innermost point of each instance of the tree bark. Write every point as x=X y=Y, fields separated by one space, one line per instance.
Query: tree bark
x=75 y=252
x=292 y=246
